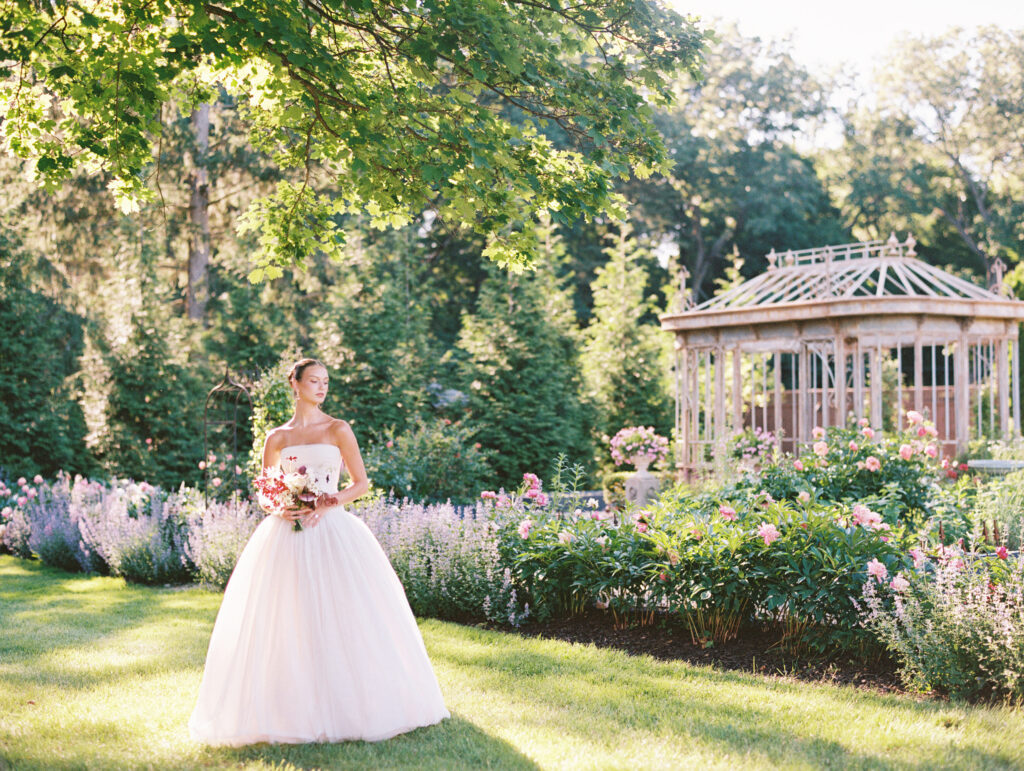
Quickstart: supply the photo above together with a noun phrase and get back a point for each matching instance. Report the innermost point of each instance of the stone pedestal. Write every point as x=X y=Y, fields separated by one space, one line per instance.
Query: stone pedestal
x=643 y=486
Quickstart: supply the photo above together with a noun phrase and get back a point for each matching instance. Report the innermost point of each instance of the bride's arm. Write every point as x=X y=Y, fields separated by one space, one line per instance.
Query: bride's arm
x=343 y=436
x=271 y=450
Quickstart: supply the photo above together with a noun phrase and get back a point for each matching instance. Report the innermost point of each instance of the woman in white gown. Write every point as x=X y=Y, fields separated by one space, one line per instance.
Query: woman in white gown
x=314 y=640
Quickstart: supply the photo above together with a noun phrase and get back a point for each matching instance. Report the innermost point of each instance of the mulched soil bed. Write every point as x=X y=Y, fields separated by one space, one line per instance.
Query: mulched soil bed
x=752 y=651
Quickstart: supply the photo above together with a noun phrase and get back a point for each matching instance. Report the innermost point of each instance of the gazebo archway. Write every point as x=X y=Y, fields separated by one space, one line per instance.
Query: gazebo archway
x=840 y=332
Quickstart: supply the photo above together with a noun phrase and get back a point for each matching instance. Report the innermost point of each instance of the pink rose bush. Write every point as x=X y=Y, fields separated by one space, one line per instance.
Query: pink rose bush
x=635 y=443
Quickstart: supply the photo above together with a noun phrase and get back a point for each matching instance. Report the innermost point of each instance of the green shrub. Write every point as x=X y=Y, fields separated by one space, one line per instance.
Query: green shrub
x=1001 y=501
x=433 y=461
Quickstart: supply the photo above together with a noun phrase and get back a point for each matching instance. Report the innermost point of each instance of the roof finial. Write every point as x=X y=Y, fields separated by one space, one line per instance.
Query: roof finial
x=893 y=245
x=911 y=243
x=996 y=271
x=772 y=257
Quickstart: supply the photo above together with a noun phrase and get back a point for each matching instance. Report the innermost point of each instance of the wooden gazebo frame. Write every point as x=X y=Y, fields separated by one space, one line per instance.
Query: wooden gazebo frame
x=830 y=334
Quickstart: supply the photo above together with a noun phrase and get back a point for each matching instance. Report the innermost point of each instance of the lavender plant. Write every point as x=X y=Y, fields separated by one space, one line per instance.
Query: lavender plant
x=955 y=625
x=216 y=536
x=448 y=563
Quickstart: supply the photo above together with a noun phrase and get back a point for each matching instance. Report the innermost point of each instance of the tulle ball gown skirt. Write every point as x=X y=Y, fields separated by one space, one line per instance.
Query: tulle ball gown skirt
x=314 y=642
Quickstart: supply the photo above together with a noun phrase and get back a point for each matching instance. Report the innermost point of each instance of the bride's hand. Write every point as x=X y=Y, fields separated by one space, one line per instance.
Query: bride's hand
x=323 y=502
x=296 y=513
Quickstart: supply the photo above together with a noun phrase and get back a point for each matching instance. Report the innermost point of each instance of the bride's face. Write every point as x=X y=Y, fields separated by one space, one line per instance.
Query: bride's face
x=313 y=385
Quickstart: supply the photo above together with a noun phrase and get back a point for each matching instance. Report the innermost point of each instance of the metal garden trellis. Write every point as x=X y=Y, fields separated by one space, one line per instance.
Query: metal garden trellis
x=227 y=393
x=840 y=332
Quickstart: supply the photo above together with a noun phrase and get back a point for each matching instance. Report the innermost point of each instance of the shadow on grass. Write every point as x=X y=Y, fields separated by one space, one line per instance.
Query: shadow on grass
x=747 y=716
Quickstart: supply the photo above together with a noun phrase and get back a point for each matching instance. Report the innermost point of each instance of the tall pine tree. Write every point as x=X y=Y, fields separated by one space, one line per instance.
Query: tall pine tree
x=520 y=368
x=622 y=354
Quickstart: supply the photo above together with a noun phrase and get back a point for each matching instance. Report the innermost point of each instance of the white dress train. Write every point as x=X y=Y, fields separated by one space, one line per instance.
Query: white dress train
x=314 y=640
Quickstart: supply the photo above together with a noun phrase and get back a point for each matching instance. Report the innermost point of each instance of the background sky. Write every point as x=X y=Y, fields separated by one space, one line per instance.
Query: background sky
x=857 y=32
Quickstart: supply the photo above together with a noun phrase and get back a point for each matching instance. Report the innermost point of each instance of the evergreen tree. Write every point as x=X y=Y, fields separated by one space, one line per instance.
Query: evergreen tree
x=520 y=368
x=622 y=362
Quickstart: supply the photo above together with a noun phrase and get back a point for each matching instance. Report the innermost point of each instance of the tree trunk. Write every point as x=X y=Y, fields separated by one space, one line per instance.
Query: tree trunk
x=199 y=219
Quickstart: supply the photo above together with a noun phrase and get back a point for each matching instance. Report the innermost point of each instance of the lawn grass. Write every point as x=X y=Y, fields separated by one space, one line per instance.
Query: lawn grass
x=95 y=673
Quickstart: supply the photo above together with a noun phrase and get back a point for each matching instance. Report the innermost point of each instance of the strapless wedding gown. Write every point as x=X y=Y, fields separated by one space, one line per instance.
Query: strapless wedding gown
x=314 y=640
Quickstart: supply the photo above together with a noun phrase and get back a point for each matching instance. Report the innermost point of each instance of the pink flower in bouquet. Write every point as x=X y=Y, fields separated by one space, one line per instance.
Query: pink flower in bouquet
x=853 y=447
x=524 y=528
x=768 y=532
x=869 y=432
x=818 y=432
x=871 y=463
x=877 y=570
x=798 y=465
x=914 y=417
x=931 y=451
x=803 y=496
x=1002 y=553
x=728 y=513
x=899 y=583
x=906 y=451
x=820 y=449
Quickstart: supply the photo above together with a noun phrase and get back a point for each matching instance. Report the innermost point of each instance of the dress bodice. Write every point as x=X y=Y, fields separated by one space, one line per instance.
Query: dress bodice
x=323 y=464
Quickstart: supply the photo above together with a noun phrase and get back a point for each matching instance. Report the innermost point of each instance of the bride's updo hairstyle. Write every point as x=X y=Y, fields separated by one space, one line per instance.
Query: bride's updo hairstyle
x=295 y=373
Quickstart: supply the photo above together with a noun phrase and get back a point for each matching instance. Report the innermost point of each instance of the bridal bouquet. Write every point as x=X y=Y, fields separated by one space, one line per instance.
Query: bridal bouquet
x=278 y=491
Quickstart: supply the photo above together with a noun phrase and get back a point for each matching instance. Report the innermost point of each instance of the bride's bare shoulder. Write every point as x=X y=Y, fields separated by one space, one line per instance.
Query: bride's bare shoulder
x=276 y=436
x=339 y=428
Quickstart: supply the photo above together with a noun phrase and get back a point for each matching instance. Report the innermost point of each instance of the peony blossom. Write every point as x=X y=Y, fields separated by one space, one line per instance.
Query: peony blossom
x=798 y=465
x=820 y=449
x=818 y=432
x=899 y=583
x=906 y=451
x=727 y=512
x=914 y=417
x=877 y=570
x=871 y=463
x=768 y=532
x=803 y=496
x=869 y=433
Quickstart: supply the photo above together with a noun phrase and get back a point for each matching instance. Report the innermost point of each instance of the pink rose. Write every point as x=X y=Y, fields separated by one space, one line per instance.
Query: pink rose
x=768 y=532
x=931 y=451
x=389 y=443
x=820 y=449
x=727 y=512
x=922 y=431
x=489 y=495
x=566 y=537
x=38 y=479
x=869 y=433
x=641 y=527
x=914 y=417
x=31 y=494
x=863 y=422
x=931 y=430
x=818 y=432
x=906 y=451
x=22 y=481
x=854 y=447
x=22 y=500
x=798 y=465
x=804 y=496
x=216 y=481
x=877 y=570
x=871 y=463
x=1002 y=553
x=202 y=465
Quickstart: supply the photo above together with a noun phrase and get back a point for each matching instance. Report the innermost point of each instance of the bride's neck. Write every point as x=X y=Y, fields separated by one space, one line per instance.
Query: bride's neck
x=306 y=414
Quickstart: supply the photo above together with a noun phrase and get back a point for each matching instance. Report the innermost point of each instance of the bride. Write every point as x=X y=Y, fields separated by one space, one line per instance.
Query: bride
x=314 y=640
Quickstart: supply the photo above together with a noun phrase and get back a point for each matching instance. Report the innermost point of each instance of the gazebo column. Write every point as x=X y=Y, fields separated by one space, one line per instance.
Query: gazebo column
x=961 y=393
x=858 y=381
x=1003 y=375
x=876 y=385
x=803 y=397
x=777 y=403
x=1016 y=380
x=718 y=434
x=737 y=390
x=839 y=370
x=682 y=407
x=919 y=373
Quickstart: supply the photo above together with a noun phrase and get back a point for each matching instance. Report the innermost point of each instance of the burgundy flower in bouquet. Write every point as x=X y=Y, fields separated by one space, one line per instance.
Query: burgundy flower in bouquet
x=278 y=491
